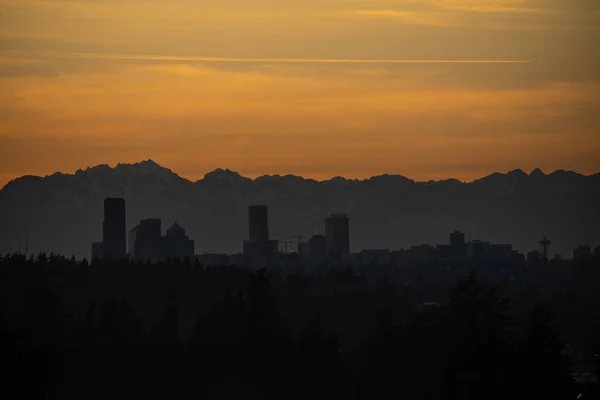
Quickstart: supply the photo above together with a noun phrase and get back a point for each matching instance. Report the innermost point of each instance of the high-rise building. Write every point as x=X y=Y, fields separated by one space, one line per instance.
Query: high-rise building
x=114 y=235
x=317 y=248
x=477 y=250
x=582 y=253
x=176 y=244
x=147 y=240
x=458 y=248
x=337 y=235
x=258 y=223
x=259 y=250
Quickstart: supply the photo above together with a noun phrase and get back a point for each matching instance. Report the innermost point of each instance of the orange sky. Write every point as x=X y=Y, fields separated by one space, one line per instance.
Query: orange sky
x=311 y=87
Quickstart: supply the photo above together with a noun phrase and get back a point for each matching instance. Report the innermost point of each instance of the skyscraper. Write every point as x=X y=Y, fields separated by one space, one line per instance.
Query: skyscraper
x=337 y=235
x=114 y=233
x=259 y=223
x=458 y=248
x=259 y=251
x=147 y=240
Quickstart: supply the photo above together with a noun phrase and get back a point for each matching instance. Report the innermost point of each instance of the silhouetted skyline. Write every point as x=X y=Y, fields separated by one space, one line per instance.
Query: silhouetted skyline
x=355 y=200
x=387 y=211
x=146 y=244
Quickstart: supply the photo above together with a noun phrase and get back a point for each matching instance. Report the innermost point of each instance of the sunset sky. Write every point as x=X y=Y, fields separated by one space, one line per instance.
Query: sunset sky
x=429 y=89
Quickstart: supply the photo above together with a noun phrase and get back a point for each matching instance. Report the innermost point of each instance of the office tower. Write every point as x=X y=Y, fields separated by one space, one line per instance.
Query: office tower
x=477 y=250
x=147 y=240
x=317 y=248
x=582 y=253
x=176 y=244
x=458 y=247
x=114 y=233
x=259 y=223
x=259 y=251
x=337 y=235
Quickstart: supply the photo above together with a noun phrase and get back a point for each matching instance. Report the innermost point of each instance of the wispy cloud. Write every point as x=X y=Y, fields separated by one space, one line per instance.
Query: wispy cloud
x=106 y=56
x=431 y=18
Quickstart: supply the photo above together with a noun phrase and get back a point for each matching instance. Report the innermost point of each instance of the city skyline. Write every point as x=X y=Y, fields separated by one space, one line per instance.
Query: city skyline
x=307 y=199
x=144 y=242
x=388 y=211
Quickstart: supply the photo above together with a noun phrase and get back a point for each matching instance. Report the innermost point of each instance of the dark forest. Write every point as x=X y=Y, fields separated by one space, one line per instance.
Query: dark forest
x=176 y=329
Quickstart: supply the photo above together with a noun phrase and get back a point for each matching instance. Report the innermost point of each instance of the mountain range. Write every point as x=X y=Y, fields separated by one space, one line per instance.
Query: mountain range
x=63 y=213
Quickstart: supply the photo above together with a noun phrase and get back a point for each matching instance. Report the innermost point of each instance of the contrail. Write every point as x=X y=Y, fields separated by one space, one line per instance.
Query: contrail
x=106 y=56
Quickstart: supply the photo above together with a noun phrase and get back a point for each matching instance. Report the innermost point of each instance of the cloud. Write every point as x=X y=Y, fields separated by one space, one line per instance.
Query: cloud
x=346 y=85
x=268 y=60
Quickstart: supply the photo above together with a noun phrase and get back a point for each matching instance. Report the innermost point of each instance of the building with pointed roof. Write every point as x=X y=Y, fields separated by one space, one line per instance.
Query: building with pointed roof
x=176 y=244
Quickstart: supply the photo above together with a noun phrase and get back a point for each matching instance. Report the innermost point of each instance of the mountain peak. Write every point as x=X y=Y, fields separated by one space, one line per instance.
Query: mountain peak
x=517 y=172
x=223 y=175
x=537 y=172
x=144 y=167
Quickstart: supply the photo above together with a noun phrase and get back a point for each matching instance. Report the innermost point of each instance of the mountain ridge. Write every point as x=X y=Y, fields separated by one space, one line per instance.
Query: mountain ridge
x=63 y=212
x=150 y=166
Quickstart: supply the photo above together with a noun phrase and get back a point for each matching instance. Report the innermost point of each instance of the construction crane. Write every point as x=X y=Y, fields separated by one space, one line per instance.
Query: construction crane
x=26 y=247
x=284 y=241
x=298 y=238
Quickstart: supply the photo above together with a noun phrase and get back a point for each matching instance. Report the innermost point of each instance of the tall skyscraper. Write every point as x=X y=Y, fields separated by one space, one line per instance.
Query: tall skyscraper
x=458 y=247
x=337 y=235
x=259 y=223
x=147 y=240
x=114 y=233
x=259 y=251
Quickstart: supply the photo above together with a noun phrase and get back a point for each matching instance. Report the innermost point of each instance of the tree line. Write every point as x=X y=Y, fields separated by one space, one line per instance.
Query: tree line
x=72 y=329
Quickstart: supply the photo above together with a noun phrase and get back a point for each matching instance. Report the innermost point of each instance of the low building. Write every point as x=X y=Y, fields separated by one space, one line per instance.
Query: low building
x=477 y=250
x=499 y=252
x=422 y=255
x=213 y=260
x=534 y=258
x=261 y=254
x=317 y=249
x=374 y=256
